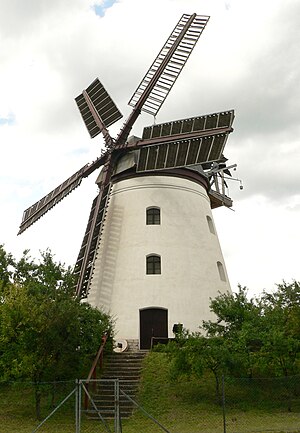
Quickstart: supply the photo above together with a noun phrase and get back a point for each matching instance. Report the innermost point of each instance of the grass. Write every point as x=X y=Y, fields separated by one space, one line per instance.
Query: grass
x=185 y=406
x=17 y=409
x=191 y=406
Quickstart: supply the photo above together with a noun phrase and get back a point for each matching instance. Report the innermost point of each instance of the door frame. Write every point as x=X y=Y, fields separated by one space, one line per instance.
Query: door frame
x=163 y=323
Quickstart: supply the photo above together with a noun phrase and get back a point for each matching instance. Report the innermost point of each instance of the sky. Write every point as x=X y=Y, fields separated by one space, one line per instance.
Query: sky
x=247 y=59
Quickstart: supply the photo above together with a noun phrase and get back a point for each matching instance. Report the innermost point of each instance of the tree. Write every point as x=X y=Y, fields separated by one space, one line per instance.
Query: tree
x=248 y=337
x=46 y=334
x=240 y=322
x=6 y=264
x=264 y=332
x=281 y=341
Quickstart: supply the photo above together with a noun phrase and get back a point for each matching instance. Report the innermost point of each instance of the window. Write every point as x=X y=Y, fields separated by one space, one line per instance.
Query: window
x=210 y=225
x=153 y=215
x=221 y=271
x=153 y=265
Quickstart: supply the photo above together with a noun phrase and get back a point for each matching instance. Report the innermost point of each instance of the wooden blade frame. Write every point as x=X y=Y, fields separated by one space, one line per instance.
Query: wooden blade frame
x=185 y=142
x=164 y=71
x=98 y=110
x=37 y=210
x=181 y=153
x=86 y=257
x=188 y=127
x=160 y=78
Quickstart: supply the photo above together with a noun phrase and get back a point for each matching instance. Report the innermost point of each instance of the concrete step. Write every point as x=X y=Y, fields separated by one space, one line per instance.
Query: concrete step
x=126 y=367
x=128 y=388
x=124 y=364
x=126 y=356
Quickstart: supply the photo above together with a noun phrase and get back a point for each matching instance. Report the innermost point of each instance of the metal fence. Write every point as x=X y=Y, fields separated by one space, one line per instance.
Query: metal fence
x=231 y=405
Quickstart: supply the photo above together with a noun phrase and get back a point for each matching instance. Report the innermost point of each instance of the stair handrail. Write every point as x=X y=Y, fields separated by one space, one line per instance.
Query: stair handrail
x=93 y=371
x=99 y=356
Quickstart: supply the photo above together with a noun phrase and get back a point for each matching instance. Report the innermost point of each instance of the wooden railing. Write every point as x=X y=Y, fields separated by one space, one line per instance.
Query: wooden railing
x=98 y=361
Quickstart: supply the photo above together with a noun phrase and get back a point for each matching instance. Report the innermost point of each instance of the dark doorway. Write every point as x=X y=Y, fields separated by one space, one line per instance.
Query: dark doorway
x=153 y=323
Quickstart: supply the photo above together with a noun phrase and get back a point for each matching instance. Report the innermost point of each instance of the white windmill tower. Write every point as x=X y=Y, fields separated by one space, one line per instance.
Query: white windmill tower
x=151 y=255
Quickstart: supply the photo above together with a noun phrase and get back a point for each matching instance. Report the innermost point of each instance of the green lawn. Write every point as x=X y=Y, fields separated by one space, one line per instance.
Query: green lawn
x=186 y=406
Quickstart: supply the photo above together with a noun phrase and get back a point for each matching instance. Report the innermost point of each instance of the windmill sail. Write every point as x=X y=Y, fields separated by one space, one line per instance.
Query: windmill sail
x=101 y=105
x=86 y=257
x=215 y=121
x=164 y=71
x=185 y=142
x=160 y=78
x=181 y=153
x=38 y=209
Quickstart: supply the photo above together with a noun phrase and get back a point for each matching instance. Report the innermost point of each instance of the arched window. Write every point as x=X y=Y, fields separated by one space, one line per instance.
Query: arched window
x=210 y=225
x=221 y=271
x=152 y=215
x=153 y=264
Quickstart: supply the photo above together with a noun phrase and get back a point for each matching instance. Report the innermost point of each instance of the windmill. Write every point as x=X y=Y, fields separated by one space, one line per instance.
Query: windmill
x=183 y=157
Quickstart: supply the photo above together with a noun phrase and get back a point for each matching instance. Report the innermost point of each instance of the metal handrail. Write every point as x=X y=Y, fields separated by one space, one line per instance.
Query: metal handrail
x=93 y=371
x=99 y=355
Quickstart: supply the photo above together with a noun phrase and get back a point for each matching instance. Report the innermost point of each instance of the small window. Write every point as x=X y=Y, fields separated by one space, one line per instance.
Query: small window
x=153 y=264
x=210 y=225
x=221 y=271
x=153 y=215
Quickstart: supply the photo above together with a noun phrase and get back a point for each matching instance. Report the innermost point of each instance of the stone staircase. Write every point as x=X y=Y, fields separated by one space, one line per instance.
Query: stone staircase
x=126 y=367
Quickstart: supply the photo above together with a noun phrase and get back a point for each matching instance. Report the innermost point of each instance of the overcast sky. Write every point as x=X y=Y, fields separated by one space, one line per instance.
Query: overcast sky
x=247 y=59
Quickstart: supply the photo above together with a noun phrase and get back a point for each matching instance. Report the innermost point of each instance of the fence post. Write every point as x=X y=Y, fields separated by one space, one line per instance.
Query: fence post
x=78 y=405
x=117 y=405
x=223 y=404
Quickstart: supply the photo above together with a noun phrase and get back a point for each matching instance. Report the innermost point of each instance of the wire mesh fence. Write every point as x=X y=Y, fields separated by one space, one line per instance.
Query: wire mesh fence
x=232 y=405
x=24 y=405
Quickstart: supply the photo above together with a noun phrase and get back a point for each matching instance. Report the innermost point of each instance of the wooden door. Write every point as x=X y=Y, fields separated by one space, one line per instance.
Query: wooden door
x=153 y=323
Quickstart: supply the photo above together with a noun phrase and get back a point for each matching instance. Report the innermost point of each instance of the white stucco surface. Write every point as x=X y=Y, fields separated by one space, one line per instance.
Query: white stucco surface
x=189 y=254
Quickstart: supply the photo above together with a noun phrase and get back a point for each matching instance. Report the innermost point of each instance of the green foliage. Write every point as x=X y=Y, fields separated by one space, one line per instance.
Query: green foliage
x=46 y=334
x=248 y=338
x=6 y=269
x=281 y=338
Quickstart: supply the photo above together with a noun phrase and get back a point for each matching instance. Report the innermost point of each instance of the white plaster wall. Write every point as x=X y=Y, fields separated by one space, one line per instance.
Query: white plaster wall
x=189 y=254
